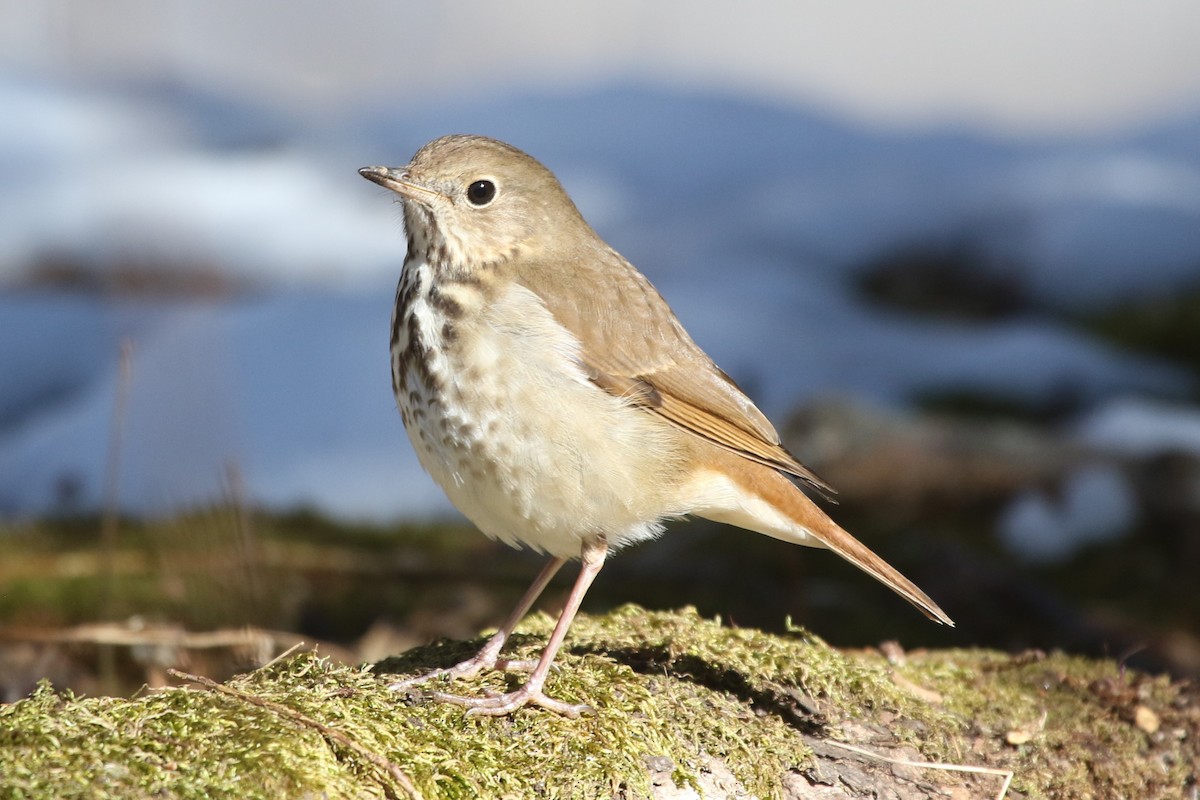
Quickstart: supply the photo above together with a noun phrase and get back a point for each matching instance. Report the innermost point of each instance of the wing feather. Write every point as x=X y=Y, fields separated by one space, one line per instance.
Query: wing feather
x=634 y=347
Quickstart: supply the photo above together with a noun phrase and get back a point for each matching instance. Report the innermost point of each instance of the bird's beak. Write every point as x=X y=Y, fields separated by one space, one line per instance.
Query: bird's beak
x=397 y=179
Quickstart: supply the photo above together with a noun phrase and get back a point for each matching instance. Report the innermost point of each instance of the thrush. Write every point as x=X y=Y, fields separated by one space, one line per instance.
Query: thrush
x=550 y=391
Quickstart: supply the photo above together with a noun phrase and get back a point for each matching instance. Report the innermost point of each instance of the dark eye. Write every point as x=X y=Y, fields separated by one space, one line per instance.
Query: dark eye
x=480 y=193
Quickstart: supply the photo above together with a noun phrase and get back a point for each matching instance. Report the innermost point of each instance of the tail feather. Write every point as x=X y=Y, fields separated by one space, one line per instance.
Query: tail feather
x=761 y=499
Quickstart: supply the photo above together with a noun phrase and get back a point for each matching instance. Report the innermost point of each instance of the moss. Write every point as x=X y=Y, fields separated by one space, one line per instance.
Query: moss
x=175 y=743
x=667 y=685
x=1067 y=726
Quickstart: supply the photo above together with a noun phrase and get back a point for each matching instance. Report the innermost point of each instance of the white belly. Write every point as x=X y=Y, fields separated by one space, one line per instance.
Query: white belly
x=522 y=442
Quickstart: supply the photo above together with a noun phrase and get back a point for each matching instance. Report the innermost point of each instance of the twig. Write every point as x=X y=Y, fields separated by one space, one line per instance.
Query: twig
x=1007 y=774
x=112 y=469
x=284 y=654
x=249 y=552
x=121 y=635
x=341 y=738
x=111 y=513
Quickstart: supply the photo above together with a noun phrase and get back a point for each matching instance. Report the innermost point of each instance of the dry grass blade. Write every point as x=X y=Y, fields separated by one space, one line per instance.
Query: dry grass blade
x=1007 y=774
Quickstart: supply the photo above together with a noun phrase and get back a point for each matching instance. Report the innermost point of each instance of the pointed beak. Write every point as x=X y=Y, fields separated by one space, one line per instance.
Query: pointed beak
x=397 y=179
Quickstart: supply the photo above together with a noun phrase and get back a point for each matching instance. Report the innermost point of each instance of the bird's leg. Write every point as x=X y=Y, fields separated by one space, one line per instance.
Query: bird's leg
x=489 y=655
x=530 y=694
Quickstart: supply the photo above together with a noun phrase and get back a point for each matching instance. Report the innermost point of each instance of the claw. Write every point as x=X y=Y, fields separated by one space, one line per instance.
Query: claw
x=498 y=705
x=466 y=669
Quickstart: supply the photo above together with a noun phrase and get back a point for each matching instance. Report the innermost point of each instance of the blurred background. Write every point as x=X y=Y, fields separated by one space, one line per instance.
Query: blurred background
x=953 y=250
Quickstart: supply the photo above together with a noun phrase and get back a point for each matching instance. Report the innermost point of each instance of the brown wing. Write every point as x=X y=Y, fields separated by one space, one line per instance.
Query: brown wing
x=634 y=346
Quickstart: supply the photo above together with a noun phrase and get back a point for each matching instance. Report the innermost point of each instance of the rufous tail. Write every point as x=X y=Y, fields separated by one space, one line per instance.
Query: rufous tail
x=767 y=502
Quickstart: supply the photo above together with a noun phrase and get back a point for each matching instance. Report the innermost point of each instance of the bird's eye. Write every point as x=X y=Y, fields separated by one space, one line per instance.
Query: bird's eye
x=480 y=193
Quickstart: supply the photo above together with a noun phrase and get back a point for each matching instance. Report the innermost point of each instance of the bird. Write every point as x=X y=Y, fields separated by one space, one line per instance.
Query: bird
x=560 y=404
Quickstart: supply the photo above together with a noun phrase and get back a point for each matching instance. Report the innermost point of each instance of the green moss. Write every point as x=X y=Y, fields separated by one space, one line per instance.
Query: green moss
x=664 y=685
x=176 y=743
x=1079 y=716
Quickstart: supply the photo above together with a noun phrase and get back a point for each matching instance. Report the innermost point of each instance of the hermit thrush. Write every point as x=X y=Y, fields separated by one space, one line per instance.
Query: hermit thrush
x=554 y=396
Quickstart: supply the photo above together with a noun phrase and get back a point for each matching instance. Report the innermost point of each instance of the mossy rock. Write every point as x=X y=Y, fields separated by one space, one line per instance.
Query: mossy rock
x=685 y=707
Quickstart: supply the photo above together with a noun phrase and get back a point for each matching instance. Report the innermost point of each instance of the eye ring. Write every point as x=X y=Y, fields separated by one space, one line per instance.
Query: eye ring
x=481 y=192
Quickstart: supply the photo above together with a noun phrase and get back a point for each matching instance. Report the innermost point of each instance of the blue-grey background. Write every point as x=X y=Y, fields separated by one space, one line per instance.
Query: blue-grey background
x=182 y=175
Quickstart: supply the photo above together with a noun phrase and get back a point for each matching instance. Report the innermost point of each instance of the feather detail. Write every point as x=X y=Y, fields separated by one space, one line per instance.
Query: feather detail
x=634 y=347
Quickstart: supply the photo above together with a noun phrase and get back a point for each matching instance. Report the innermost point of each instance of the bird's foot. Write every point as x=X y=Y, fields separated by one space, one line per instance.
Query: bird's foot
x=498 y=705
x=467 y=669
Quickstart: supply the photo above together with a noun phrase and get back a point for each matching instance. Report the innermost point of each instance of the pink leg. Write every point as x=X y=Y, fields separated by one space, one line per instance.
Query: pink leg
x=594 y=552
x=489 y=656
